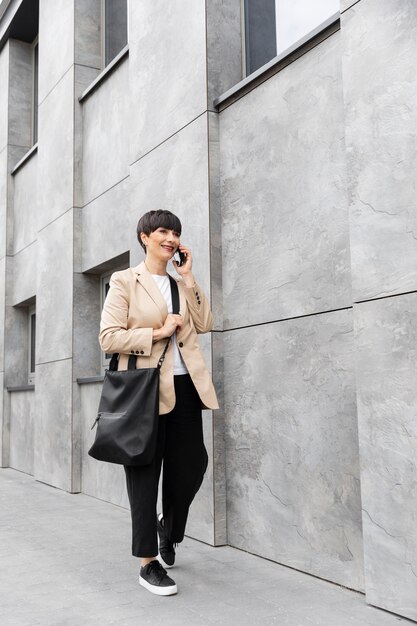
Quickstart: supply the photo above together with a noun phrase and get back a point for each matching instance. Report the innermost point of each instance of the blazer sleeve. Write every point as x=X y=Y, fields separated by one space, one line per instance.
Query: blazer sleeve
x=199 y=308
x=114 y=335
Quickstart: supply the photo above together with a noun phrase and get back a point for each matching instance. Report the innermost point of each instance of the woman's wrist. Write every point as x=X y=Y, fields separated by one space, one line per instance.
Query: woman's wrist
x=157 y=335
x=188 y=280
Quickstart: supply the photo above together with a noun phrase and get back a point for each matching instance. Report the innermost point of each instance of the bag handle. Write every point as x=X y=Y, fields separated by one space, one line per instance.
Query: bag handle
x=132 y=358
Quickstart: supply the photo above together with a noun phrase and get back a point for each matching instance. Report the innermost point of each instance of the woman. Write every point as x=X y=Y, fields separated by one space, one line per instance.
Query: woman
x=137 y=319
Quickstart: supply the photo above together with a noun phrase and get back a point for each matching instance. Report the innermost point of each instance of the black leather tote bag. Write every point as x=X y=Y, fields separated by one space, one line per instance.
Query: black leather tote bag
x=128 y=412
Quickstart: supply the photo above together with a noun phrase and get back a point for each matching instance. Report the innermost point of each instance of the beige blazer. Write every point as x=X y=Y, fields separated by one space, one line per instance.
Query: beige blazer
x=133 y=308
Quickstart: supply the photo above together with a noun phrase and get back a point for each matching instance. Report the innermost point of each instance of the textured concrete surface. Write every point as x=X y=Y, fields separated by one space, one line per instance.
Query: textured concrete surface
x=284 y=203
x=24 y=286
x=53 y=423
x=4 y=94
x=346 y=4
x=105 y=134
x=386 y=340
x=87 y=23
x=22 y=418
x=25 y=207
x=169 y=89
x=380 y=93
x=66 y=560
x=293 y=485
x=55 y=154
x=55 y=290
x=3 y=198
x=56 y=32
x=99 y=242
x=20 y=94
x=224 y=47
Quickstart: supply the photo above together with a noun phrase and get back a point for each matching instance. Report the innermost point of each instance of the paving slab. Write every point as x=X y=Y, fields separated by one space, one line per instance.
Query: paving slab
x=65 y=561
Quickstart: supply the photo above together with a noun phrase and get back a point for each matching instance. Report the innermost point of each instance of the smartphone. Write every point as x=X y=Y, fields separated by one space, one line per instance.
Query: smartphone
x=181 y=258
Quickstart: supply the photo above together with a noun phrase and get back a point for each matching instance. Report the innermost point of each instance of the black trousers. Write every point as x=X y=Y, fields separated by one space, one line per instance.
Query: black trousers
x=181 y=448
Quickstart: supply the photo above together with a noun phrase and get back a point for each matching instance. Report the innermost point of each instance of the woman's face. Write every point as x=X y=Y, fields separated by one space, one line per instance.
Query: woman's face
x=161 y=243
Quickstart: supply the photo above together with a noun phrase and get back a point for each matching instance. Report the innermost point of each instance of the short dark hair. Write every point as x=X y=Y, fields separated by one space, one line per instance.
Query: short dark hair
x=157 y=219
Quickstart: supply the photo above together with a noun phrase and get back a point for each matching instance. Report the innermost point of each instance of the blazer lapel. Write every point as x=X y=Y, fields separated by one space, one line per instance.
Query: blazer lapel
x=148 y=283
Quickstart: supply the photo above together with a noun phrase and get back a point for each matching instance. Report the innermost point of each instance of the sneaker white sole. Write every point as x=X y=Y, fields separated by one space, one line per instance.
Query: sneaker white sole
x=159 y=591
x=162 y=562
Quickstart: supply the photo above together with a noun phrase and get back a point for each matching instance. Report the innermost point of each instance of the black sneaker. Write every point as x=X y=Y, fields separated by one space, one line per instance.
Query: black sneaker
x=154 y=578
x=166 y=547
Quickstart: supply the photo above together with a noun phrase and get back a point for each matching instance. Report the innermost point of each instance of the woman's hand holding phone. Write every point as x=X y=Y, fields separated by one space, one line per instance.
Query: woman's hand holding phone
x=184 y=270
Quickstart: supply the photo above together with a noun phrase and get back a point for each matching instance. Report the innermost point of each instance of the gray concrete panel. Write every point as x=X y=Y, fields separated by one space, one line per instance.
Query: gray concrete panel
x=4 y=95
x=22 y=415
x=174 y=177
x=219 y=443
x=25 y=265
x=168 y=85
x=292 y=445
x=99 y=242
x=16 y=327
x=53 y=432
x=346 y=4
x=25 y=208
x=56 y=33
x=101 y=480
x=55 y=291
x=3 y=201
x=200 y=523
x=88 y=32
x=284 y=205
x=224 y=47
x=4 y=424
x=386 y=342
x=106 y=134
x=20 y=93
x=55 y=156
x=84 y=76
x=86 y=323
x=380 y=87
x=2 y=309
x=215 y=224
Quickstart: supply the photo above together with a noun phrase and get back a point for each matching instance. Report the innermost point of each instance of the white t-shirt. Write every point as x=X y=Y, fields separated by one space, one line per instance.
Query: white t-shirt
x=165 y=289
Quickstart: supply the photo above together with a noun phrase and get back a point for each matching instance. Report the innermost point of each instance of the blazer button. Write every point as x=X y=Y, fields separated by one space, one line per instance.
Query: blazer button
x=137 y=351
x=180 y=344
x=142 y=352
x=132 y=352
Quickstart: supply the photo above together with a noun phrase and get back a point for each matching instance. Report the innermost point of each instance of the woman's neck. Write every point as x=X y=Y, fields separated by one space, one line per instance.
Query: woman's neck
x=156 y=266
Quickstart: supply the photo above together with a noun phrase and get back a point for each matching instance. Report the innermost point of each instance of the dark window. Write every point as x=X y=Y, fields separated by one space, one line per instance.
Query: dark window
x=272 y=26
x=35 y=93
x=115 y=28
x=32 y=344
x=32 y=341
x=260 y=33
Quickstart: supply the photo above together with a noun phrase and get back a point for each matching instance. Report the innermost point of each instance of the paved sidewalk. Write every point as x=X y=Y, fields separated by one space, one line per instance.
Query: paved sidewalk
x=65 y=560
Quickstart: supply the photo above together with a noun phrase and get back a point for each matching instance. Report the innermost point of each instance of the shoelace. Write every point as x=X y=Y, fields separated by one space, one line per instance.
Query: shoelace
x=156 y=567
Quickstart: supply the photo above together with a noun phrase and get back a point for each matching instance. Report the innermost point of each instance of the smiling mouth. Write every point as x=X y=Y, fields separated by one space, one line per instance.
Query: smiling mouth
x=169 y=248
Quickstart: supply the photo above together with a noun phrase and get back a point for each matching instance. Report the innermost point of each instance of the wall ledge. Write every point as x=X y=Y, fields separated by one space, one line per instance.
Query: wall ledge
x=25 y=158
x=90 y=379
x=278 y=63
x=124 y=52
x=21 y=388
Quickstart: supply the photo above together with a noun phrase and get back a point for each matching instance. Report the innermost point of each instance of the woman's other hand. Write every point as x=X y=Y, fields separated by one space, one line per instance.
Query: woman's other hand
x=171 y=324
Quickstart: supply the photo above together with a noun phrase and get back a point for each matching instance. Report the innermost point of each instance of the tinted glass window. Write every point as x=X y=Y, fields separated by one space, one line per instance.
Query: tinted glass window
x=272 y=26
x=115 y=27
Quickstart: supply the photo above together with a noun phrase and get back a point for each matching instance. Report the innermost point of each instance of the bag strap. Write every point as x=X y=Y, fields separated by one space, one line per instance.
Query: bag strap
x=132 y=357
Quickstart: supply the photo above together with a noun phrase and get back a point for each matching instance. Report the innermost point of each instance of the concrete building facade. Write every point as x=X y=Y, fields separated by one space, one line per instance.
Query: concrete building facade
x=295 y=181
